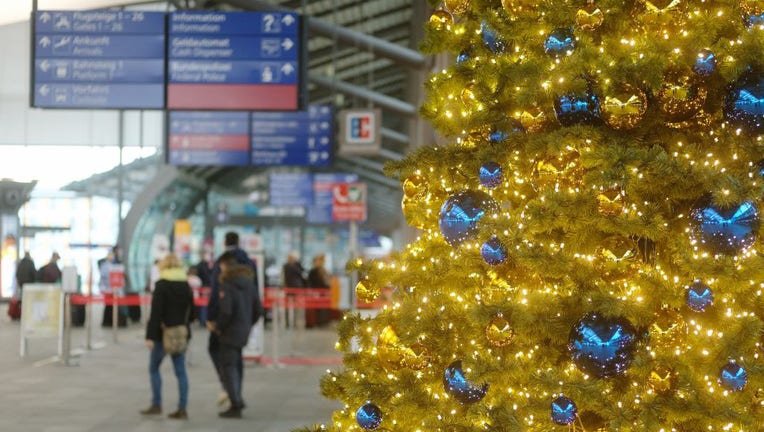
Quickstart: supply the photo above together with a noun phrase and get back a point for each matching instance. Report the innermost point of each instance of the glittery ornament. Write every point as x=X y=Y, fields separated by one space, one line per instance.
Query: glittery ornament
x=460 y=215
x=494 y=252
x=590 y=18
x=415 y=357
x=560 y=42
x=369 y=416
x=577 y=109
x=618 y=258
x=661 y=12
x=603 y=347
x=755 y=20
x=468 y=95
x=562 y=170
x=705 y=64
x=662 y=379
x=564 y=411
x=532 y=120
x=681 y=97
x=491 y=39
x=457 y=6
x=744 y=105
x=752 y=7
x=388 y=350
x=624 y=108
x=733 y=377
x=668 y=330
x=415 y=186
x=456 y=384
x=699 y=296
x=491 y=175
x=366 y=292
x=498 y=332
x=726 y=230
x=441 y=19
x=611 y=202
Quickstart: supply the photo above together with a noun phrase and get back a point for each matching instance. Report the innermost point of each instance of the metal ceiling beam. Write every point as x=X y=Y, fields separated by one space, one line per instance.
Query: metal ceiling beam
x=376 y=178
x=402 y=55
x=383 y=101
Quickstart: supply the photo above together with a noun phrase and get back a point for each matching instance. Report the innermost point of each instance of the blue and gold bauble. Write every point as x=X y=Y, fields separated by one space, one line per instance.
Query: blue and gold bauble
x=491 y=38
x=601 y=346
x=744 y=106
x=564 y=411
x=624 y=107
x=726 y=230
x=560 y=42
x=491 y=175
x=577 y=109
x=369 y=416
x=456 y=384
x=705 y=64
x=494 y=252
x=699 y=296
x=681 y=97
x=733 y=377
x=461 y=214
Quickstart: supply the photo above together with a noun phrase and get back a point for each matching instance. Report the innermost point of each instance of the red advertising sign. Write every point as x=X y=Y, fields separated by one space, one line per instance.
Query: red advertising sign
x=349 y=202
x=116 y=277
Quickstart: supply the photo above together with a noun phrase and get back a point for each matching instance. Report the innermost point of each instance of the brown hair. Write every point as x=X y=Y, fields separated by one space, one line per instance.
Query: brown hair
x=170 y=261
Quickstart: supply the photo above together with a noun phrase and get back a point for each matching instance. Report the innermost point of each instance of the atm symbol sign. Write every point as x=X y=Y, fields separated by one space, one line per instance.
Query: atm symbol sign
x=361 y=128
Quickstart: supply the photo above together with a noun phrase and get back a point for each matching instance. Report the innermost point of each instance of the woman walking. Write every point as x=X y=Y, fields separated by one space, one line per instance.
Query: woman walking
x=172 y=309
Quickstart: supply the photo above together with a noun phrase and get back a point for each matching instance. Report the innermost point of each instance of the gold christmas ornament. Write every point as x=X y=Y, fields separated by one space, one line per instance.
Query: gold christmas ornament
x=416 y=357
x=415 y=186
x=457 y=7
x=661 y=12
x=590 y=17
x=625 y=108
x=441 y=19
x=662 y=379
x=669 y=330
x=498 y=332
x=518 y=5
x=562 y=170
x=388 y=350
x=752 y=7
x=366 y=292
x=532 y=120
x=617 y=258
x=681 y=98
x=611 y=202
x=468 y=96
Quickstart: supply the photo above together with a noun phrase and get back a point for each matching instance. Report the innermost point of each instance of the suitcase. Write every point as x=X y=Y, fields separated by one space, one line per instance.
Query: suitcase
x=14 y=309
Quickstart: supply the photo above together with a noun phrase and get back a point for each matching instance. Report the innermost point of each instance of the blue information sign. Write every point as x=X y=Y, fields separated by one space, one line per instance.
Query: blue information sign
x=208 y=138
x=321 y=210
x=291 y=189
x=99 y=59
x=302 y=138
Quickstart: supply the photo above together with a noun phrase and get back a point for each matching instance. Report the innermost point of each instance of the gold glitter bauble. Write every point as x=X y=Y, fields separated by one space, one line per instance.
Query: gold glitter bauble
x=669 y=330
x=416 y=357
x=415 y=186
x=388 y=350
x=661 y=12
x=468 y=96
x=366 y=292
x=590 y=18
x=441 y=19
x=662 y=379
x=618 y=258
x=532 y=120
x=611 y=202
x=498 y=332
x=457 y=6
x=625 y=108
x=681 y=98
x=752 y=7
x=562 y=170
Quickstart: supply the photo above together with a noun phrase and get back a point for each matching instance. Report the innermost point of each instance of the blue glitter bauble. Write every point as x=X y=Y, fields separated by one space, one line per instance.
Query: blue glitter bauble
x=460 y=214
x=494 y=252
x=491 y=38
x=727 y=231
x=457 y=385
x=603 y=347
x=744 y=106
x=733 y=377
x=560 y=42
x=705 y=65
x=699 y=296
x=564 y=411
x=369 y=416
x=463 y=57
x=574 y=109
x=754 y=20
x=491 y=175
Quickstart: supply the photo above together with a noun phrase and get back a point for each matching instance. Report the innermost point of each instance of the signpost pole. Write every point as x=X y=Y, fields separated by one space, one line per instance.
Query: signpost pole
x=353 y=255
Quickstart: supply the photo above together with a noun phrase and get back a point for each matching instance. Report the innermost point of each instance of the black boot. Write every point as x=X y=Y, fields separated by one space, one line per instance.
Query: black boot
x=233 y=412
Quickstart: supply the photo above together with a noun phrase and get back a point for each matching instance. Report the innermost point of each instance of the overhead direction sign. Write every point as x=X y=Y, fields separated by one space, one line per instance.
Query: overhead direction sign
x=291 y=189
x=301 y=138
x=208 y=138
x=349 y=202
x=234 y=60
x=320 y=212
x=99 y=59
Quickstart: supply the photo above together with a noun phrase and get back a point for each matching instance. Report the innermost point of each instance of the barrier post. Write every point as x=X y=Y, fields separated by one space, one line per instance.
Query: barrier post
x=114 y=316
x=67 y=337
x=89 y=321
x=275 y=310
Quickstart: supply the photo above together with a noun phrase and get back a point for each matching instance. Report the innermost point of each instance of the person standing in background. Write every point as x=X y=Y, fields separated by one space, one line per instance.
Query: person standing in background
x=25 y=273
x=318 y=277
x=292 y=273
x=50 y=273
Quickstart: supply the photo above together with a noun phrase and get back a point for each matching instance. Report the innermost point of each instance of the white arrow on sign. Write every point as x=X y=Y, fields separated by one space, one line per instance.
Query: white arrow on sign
x=44 y=90
x=325 y=155
x=325 y=125
x=287 y=44
x=45 y=17
x=288 y=20
x=45 y=66
x=44 y=41
x=287 y=69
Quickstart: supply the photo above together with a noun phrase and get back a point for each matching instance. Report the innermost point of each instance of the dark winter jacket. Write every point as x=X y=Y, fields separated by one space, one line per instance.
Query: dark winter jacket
x=293 y=275
x=241 y=258
x=171 y=304
x=318 y=278
x=25 y=272
x=49 y=273
x=234 y=320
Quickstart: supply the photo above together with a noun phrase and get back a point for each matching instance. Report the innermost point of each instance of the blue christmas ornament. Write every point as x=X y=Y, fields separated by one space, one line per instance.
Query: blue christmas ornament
x=733 y=377
x=491 y=38
x=463 y=57
x=699 y=296
x=369 y=416
x=744 y=106
x=491 y=175
x=457 y=385
x=754 y=20
x=494 y=252
x=705 y=65
x=564 y=411
x=560 y=42
x=603 y=347
x=727 y=231
x=498 y=136
x=573 y=109
x=461 y=213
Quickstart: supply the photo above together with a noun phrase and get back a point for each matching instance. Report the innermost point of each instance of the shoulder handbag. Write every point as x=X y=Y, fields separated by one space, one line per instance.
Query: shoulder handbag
x=175 y=338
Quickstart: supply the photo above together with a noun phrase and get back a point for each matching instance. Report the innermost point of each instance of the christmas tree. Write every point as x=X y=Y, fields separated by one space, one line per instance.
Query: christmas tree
x=589 y=255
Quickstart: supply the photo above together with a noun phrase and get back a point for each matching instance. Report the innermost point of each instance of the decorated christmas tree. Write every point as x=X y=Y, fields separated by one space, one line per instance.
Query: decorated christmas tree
x=589 y=256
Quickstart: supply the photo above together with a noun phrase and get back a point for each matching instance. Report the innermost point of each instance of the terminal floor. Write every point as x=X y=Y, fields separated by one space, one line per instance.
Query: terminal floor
x=110 y=384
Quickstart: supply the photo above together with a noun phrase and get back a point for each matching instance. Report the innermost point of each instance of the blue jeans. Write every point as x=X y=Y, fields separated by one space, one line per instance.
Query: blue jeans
x=178 y=364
